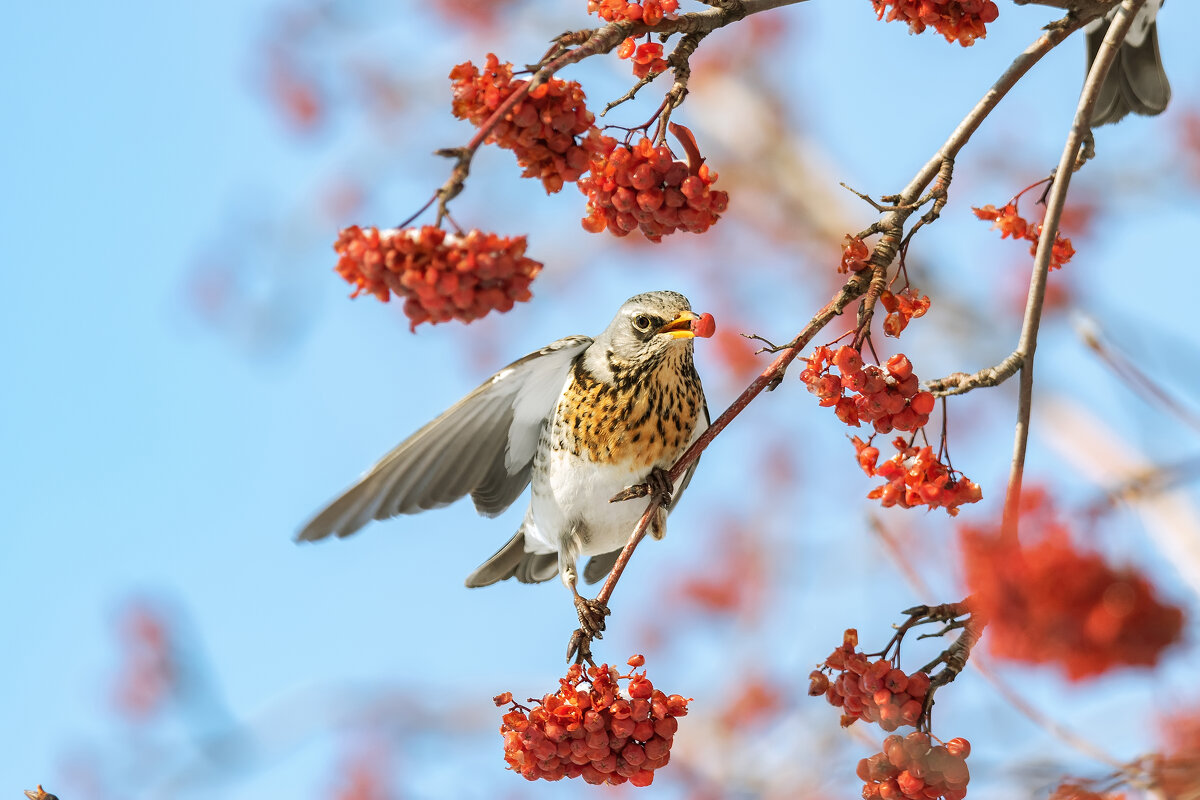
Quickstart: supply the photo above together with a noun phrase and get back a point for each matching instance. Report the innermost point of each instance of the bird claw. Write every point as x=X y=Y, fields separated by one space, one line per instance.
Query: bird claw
x=591 y=624
x=579 y=649
x=658 y=483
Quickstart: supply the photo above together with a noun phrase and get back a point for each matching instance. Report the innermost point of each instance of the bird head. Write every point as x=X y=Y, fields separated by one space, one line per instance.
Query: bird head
x=650 y=327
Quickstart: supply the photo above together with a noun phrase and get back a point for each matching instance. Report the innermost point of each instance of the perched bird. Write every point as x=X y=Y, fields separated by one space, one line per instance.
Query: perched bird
x=1136 y=82
x=581 y=420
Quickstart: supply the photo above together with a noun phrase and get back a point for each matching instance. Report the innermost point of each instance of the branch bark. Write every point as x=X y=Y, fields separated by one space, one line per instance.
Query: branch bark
x=1055 y=200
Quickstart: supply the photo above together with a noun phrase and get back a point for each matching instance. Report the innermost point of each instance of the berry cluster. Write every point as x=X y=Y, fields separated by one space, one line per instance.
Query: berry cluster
x=913 y=768
x=961 y=21
x=902 y=308
x=874 y=691
x=643 y=186
x=915 y=477
x=889 y=397
x=650 y=12
x=1050 y=602
x=440 y=275
x=647 y=57
x=595 y=734
x=1010 y=223
x=550 y=130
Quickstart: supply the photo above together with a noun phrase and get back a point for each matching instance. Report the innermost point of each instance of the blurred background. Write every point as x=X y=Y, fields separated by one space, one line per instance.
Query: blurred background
x=187 y=381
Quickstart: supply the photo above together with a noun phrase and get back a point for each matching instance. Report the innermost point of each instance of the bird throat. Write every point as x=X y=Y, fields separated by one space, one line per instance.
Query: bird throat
x=641 y=415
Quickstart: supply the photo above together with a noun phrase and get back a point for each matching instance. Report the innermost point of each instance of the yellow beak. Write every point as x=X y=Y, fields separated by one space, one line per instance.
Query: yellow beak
x=681 y=326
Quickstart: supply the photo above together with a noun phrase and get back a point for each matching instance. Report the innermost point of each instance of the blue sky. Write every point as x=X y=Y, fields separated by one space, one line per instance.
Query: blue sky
x=149 y=452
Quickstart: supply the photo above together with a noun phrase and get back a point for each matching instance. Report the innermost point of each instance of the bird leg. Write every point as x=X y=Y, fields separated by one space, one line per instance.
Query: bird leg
x=658 y=484
x=591 y=623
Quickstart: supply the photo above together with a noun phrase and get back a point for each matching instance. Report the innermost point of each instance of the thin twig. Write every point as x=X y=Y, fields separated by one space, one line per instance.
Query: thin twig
x=1055 y=201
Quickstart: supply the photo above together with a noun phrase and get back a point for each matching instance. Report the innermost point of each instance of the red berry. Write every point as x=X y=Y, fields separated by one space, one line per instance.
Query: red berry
x=705 y=326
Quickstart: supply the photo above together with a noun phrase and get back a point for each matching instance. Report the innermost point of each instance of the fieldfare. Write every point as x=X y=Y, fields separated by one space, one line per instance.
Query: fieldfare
x=581 y=420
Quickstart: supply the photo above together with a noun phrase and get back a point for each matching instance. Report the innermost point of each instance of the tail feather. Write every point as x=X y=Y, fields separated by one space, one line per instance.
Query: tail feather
x=511 y=561
x=1136 y=83
x=599 y=566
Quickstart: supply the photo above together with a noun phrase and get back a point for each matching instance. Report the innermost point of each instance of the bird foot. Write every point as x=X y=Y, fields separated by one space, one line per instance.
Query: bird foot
x=591 y=624
x=658 y=484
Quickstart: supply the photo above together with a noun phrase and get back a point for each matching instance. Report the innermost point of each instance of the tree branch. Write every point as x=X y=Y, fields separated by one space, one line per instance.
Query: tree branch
x=1055 y=200
x=882 y=256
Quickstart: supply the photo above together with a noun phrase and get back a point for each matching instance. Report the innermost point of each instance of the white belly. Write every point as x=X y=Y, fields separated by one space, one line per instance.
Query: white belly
x=577 y=489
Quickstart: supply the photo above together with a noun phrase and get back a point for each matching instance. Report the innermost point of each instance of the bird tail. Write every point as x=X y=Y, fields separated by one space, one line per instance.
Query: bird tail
x=1136 y=82
x=511 y=561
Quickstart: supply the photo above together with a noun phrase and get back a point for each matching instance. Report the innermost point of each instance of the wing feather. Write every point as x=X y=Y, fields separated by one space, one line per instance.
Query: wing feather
x=482 y=446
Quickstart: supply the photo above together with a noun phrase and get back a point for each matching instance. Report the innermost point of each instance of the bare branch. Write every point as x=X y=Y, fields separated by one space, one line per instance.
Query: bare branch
x=1057 y=198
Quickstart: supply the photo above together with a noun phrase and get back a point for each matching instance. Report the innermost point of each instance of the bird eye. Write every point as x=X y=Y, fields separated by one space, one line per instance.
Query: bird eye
x=641 y=322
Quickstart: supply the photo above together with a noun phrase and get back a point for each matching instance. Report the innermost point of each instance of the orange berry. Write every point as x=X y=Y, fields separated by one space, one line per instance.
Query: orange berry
x=643 y=777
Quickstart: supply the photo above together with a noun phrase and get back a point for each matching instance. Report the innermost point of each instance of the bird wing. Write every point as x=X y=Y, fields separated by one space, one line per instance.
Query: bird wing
x=482 y=446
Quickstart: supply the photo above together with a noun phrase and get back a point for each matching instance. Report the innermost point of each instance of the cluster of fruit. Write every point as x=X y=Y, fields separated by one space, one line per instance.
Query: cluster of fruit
x=441 y=276
x=595 y=733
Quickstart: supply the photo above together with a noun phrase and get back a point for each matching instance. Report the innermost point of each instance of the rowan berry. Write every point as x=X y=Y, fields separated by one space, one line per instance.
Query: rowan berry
x=705 y=326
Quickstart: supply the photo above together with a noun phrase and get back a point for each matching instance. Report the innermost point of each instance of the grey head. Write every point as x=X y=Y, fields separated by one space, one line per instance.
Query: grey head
x=648 y=328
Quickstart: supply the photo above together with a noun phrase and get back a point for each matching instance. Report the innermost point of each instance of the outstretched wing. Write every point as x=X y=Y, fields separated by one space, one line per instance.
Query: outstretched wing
x=482 y=446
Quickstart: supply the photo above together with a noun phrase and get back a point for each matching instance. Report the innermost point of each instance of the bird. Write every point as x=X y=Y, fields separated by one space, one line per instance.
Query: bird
x=1137 y=81
x=579 y=421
